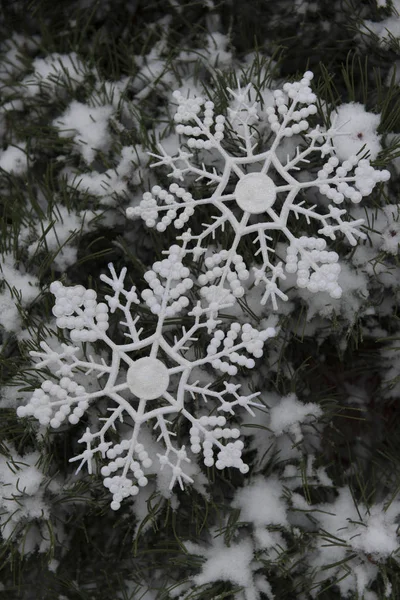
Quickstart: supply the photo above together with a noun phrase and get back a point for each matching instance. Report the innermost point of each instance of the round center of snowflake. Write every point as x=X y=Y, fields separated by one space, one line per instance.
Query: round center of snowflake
x=148 y=378
x=255 y=192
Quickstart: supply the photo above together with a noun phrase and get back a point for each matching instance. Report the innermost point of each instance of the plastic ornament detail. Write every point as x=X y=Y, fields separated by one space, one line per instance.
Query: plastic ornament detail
x=255 y=193
x=148 y=379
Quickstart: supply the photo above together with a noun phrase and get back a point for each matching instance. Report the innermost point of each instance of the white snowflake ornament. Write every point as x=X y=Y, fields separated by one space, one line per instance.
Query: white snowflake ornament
x=256 y=194
x=148 y=379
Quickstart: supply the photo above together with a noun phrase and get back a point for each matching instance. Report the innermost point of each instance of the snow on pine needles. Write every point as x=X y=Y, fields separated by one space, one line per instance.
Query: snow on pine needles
x=149 y=378
x=257 y=194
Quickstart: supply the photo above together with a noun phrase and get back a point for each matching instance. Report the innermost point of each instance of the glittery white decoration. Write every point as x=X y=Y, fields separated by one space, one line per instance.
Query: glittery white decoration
x=256 y=193
x=149 y=378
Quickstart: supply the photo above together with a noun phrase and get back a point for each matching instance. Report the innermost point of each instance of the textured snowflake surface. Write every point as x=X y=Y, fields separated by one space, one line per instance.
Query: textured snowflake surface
x=149 y=379
x=255 y=193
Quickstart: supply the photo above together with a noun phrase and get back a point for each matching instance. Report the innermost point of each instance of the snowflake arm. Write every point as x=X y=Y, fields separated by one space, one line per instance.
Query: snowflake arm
x=245 y=115
x=174 y=162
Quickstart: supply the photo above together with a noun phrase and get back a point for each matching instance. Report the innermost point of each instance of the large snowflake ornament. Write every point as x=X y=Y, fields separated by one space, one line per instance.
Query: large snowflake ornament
x=256 y=193
x=149 y=379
